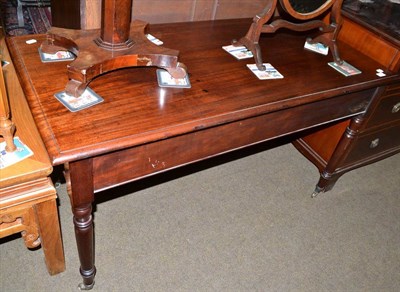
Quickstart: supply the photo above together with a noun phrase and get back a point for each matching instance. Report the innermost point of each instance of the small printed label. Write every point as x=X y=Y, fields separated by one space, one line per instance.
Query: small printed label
x=239 y=52
x=10 y=158
x=345 y=68
x=57 y=57
x=166 y=80
x=87 y=99
x=317 y=47
x=269 y=73
x=154 y=40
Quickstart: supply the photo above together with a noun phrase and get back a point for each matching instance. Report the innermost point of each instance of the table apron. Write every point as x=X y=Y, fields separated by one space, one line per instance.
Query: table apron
x=130 y=164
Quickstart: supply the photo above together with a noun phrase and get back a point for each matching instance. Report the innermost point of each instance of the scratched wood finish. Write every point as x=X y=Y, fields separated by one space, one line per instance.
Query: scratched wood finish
x=136 y=111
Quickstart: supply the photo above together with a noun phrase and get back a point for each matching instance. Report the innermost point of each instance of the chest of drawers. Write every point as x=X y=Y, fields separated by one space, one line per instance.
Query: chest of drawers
x=370 y=136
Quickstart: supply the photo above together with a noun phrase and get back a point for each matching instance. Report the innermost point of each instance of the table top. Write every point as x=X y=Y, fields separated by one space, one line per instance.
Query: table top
x=38 y=165
x=137 y=111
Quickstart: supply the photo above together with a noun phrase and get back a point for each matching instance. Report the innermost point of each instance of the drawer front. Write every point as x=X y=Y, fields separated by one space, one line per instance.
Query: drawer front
x=388 y=109
x=144 y=160
x=374 y=144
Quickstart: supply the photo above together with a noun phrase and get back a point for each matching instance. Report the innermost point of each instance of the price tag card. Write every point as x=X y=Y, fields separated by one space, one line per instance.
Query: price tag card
x=166 y=80
x=269 y=73
x=10 y=158
x=239 y=52
x=154 y=40
x=87 y=99
x=57 y=57
x=317 y=47
x=345 y=68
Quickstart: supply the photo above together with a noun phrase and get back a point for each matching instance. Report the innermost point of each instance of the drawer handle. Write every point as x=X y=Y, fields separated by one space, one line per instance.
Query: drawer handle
x=374 y=143
x=396 y=108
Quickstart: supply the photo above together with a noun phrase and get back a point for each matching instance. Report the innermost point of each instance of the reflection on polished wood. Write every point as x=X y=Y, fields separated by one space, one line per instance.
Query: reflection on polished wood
x=306 y=9
x=142 y=129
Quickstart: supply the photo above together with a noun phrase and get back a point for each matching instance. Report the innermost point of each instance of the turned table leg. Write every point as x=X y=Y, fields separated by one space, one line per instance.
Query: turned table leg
x=79 y=177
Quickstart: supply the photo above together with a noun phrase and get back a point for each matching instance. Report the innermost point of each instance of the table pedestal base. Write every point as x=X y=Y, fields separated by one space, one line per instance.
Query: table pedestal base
x=95 y=57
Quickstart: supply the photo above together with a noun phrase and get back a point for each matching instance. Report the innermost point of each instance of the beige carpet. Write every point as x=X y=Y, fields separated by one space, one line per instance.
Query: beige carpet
x=245 y=225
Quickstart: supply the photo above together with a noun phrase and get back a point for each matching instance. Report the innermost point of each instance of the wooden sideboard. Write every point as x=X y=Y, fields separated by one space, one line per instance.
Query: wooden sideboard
x=27 y=195
x=366 y=138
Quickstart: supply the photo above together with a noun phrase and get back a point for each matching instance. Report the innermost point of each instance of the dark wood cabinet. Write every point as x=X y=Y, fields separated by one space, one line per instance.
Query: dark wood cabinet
x=373 y=135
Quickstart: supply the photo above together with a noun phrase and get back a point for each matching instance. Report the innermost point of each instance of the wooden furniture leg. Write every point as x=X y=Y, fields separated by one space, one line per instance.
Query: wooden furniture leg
x=79 y=177
x=50 y=236
x=329 y=175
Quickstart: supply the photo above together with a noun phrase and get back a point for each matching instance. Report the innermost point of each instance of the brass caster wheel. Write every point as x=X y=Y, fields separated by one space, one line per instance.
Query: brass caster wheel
x=317 y=191
x=84 y=287
x=314 y=194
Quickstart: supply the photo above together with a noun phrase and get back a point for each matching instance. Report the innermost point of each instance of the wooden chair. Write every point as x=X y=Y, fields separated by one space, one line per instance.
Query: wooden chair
x=27 y=195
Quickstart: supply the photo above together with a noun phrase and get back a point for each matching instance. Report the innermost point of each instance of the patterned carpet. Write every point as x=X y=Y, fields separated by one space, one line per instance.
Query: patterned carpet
x=35 y=19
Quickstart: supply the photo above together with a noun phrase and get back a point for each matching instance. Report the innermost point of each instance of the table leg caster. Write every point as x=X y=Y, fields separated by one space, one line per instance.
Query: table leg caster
x=317 y=191
x=83 y=286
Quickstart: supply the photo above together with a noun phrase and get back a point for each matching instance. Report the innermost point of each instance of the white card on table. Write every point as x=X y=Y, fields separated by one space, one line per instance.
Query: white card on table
x=87 y=99
x=154 y=40
x=269 y=73
x=166 y=80
x=57 y=57
x=239 y=52
x=317 y=47
x=345 y=68
x=10 y=158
